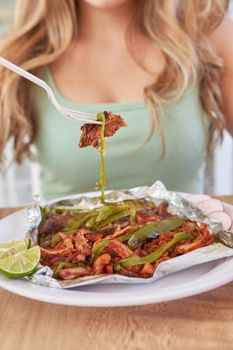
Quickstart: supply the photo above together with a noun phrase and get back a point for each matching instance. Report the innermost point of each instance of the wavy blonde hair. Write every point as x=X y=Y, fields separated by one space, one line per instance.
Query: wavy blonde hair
x=180 y=28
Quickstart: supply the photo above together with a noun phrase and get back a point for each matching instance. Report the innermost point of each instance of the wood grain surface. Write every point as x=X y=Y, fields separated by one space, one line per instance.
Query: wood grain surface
x=200 y=322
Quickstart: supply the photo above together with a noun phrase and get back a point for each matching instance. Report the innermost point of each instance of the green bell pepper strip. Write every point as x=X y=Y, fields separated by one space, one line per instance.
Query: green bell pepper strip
x=101 y=117
x=152 y=230
x=114 y=218
x=142 y=203
x=61 y=266
x=107 y=210
x=98 y=248
x=125 y=237
x=146 y=231
x=132 y=211
x=55 y=240
x=151 y=258
x=61 y=211
x=108 y=214
x=75 y=223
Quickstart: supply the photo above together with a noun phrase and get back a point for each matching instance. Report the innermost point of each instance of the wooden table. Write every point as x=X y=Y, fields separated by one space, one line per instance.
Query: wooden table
x=200 y=322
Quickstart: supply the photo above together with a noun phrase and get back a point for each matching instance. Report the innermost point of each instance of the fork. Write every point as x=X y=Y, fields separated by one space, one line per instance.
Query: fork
x=88 y=118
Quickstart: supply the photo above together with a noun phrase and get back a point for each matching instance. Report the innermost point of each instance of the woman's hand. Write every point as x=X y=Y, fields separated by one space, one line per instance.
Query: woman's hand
x=222 y=41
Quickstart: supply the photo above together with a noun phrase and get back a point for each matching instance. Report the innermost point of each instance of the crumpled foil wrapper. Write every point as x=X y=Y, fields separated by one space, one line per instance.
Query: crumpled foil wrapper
x=157 y=192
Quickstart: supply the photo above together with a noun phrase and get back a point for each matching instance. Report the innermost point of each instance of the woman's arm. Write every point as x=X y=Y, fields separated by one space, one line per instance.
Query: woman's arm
x=2 y=43
x=222 y=41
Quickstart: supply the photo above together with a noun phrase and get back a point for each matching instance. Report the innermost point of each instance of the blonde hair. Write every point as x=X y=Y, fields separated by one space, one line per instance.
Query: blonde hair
x=180 y=28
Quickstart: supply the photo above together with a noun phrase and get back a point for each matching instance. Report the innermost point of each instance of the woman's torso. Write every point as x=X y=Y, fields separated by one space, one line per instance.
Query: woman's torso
x=67 y=169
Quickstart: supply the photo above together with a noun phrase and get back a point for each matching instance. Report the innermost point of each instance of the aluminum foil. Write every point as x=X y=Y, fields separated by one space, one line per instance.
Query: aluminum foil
x=157 y=192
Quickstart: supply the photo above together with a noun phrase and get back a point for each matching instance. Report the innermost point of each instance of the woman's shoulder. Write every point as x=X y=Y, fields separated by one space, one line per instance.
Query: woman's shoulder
x=221 y=37
x=223 y=45
x=2 y=43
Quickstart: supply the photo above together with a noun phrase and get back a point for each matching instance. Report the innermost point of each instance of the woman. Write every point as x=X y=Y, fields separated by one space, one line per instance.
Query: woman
x=164 y=65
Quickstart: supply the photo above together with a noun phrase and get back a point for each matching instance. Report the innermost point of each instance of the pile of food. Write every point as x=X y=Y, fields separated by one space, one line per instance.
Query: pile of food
x=129 y=238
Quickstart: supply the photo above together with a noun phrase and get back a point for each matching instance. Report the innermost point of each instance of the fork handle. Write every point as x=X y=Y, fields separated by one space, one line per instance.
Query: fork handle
x=7 y=64
x=23 y=73
x=32 y=78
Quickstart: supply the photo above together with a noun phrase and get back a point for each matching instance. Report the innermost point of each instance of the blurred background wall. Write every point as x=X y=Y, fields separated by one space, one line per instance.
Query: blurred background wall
x=19 y=183
x=5 y=14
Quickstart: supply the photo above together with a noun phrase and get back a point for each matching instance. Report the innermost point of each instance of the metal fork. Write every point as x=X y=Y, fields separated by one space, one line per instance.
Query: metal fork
x=88 y=118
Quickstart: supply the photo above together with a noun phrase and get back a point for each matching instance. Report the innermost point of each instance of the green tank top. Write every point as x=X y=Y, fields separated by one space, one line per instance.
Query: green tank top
x=66 y=169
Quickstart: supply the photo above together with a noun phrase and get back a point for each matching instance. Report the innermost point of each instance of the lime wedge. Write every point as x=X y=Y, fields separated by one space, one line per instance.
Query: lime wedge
x=20 y=264
x=10 y=248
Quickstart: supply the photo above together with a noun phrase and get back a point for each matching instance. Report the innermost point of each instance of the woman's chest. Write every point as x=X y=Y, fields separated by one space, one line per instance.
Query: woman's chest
x=99 y=74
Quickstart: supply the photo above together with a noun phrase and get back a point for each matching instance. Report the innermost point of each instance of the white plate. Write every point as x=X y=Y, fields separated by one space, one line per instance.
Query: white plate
x=182 y=284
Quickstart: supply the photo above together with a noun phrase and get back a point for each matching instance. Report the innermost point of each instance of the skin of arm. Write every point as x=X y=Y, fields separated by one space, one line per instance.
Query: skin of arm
x=222 y=43
x=2 y=42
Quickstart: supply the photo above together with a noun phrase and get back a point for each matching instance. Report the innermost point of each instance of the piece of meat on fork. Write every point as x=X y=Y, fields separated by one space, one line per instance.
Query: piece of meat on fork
x=91 y=133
